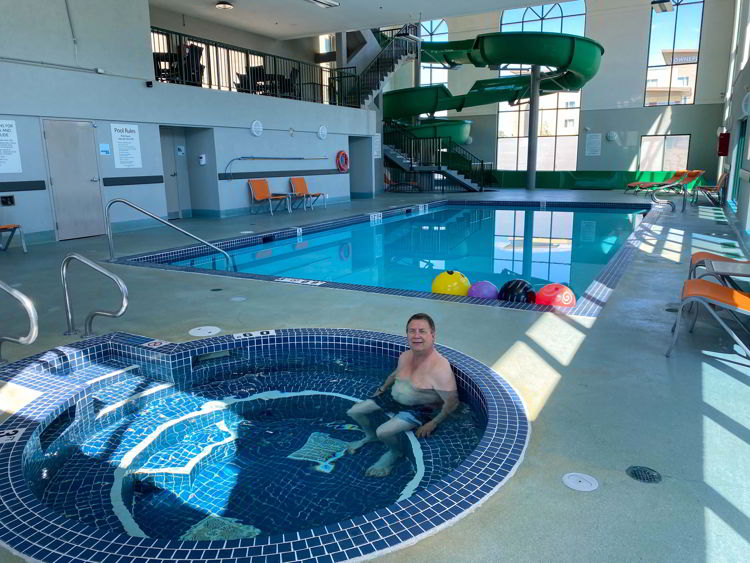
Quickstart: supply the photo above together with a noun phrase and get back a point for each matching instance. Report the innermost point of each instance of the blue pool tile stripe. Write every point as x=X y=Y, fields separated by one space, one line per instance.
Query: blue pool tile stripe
x=63 y=376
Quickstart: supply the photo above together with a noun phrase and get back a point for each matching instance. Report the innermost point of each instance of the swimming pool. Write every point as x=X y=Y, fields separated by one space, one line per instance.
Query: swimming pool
x=401 y=251
x=225 y=448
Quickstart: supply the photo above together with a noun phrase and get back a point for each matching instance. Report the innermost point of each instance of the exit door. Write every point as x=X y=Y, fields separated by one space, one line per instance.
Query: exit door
x=74 y=178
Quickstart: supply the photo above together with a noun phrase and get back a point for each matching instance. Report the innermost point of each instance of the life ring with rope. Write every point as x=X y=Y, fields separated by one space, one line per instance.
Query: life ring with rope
x=342 y=161
x=345 y=251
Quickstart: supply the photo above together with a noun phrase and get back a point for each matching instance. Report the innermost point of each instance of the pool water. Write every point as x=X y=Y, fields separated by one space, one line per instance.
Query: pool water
x=566 y=246
x=260 y=450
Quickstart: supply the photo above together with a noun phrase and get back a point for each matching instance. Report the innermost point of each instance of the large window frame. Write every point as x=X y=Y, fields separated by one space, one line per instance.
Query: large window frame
x=663 y=166
x=688 y=63
x=558 y=143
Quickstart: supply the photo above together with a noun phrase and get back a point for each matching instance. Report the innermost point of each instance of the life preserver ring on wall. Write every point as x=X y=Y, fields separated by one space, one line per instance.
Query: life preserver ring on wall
x=345 y=251
x=342 y=161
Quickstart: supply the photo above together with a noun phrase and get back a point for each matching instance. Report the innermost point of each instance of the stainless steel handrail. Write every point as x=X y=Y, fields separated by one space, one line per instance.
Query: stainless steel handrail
x=230 y=265
x=90 y=318
x=33 y=319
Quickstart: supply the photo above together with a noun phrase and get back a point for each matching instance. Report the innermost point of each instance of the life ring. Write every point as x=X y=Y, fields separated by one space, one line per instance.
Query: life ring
x=345 y=251
x=342 y=161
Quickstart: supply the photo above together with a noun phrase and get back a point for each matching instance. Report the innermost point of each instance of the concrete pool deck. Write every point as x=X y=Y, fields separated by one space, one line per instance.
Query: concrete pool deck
x=600 y=393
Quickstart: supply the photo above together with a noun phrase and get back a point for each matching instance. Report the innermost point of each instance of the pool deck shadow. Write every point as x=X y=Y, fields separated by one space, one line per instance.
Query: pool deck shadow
x=600 y=393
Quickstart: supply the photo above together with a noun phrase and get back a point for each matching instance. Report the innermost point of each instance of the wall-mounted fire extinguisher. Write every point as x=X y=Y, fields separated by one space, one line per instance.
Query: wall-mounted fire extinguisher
x=722 y=144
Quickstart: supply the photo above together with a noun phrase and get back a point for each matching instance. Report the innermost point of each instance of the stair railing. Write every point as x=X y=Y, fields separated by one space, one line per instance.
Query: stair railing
x=230 y=265
x=401 y=43
x=27 y=304
x=90 y=317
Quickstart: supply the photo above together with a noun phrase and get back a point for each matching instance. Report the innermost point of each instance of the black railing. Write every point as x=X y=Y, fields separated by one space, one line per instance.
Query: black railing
x=398 y=43
x=184 y=59
x=436 y=151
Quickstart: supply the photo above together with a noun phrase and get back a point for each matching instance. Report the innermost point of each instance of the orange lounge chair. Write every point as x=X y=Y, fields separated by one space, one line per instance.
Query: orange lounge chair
x=709 y=191
x=637 y=186
x=12 y=228
x=299 y=189
x=260 y=192
x=698 y=260
x=391 y=183
x=713 y=296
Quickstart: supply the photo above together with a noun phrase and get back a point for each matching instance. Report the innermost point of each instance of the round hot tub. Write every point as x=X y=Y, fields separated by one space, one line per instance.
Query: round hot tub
x=238 y=446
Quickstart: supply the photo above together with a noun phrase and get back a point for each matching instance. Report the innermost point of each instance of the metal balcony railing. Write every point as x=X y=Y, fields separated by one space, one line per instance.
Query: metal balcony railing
x=194 y=61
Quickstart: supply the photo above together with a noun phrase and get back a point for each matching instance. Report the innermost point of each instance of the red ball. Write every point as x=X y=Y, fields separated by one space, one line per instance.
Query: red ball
x=557 y=295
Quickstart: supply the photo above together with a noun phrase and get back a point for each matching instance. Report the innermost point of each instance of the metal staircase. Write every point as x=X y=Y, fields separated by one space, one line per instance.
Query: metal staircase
x=400 y=45
x=433 y=155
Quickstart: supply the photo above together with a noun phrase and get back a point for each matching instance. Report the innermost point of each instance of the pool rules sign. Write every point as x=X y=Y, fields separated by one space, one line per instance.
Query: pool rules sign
x=126 y=145
x=10 y=157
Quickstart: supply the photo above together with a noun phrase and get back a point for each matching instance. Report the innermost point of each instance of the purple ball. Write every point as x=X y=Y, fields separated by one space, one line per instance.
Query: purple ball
x=484 y=290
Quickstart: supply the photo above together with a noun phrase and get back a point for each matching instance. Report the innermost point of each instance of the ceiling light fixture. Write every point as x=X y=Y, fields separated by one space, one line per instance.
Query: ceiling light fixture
x=324 y=3
x=224 y=5
x=661 y=5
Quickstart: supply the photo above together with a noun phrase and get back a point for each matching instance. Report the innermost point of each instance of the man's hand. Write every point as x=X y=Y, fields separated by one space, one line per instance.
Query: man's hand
x=426 y=429
x=379 y=391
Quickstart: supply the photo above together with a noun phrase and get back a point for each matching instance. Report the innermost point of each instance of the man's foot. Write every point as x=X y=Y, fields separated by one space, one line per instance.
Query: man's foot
x=384 y=465
x=354 y=446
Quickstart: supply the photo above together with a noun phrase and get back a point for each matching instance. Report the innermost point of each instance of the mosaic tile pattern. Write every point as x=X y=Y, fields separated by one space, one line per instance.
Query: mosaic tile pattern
x=76 y=383
x=594 y=298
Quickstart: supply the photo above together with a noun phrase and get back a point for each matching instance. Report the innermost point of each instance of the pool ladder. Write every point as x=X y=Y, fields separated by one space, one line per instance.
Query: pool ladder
x=33 y=320
x=90 y=318
x=230 y=265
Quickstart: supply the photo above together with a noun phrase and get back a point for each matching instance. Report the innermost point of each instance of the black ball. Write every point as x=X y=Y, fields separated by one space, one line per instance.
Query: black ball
x=517 y=291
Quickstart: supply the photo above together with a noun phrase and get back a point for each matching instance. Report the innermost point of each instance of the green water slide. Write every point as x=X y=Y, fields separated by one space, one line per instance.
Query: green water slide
x=573 y=60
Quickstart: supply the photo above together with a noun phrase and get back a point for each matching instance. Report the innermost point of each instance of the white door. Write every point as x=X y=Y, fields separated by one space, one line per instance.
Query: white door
x=169 y=165
x=74 y=178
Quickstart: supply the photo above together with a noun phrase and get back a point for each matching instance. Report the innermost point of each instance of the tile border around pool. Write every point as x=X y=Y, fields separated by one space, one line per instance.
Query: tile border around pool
x=30 y=528
x=590 y=305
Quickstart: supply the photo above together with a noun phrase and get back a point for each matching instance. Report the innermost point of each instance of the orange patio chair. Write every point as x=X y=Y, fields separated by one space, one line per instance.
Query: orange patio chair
x=713 y=297
x=260 y=192
x=391 y=183
x=698 y=260
x=12 y=228
x=299 y=189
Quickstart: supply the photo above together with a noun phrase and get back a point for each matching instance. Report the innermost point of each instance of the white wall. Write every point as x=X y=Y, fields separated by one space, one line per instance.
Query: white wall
x=113 y=36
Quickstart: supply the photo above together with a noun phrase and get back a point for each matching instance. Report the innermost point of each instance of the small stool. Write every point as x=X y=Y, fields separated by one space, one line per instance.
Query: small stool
x=12 y=230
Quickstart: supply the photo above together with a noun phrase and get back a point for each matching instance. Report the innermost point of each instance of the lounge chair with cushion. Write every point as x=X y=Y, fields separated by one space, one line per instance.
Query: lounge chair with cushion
x=260 y=192
x=710 y=192
x=637 y=186
x=713 y=297
x=299 y=189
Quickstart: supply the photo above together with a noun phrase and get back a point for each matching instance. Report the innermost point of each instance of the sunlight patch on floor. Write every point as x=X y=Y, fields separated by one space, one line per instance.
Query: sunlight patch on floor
x=529 y=374
x=719 y=534
x=719 y=444
x=565 y=341
x=14 y=397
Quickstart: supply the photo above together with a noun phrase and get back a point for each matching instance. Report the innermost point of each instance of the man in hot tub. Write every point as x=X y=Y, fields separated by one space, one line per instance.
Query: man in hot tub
x=422 y=394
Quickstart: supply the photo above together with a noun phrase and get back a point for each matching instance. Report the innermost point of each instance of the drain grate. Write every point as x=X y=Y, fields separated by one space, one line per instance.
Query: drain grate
x=643 y=474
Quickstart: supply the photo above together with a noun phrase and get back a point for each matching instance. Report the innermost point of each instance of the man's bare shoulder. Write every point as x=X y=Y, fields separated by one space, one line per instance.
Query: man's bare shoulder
x=442 y=374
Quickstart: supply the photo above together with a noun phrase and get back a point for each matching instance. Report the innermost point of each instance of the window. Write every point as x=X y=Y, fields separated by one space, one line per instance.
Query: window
x=558 y=113
x=664 y=152
x=673 y=52
x=434 y=30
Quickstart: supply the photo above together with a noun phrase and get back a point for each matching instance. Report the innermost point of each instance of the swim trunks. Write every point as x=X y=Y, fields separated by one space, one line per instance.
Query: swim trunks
x=415 y=414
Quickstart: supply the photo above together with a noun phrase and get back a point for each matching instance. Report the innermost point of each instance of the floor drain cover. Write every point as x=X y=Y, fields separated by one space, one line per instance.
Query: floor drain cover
x=216 y=289
x=672 y=307
x=238 y=298
x=580 y=482
x=643 y=474
x=204 y=331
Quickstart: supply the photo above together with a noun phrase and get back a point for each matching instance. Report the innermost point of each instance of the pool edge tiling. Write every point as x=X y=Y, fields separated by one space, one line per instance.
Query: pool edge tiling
x=589 y=305
x=62 y=375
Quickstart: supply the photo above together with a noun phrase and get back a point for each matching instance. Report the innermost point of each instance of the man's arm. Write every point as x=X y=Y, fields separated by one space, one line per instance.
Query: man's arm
x=390 y=379
x=445 y=387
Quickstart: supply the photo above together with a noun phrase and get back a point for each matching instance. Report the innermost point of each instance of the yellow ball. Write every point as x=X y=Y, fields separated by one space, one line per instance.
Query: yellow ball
x=451 y=283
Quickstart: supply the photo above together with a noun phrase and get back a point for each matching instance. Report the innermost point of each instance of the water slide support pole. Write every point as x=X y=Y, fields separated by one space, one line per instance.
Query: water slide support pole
x=533 y=126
